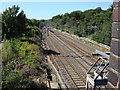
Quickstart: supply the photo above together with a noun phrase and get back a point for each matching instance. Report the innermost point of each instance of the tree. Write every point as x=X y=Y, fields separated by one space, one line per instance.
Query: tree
x=99 y=9
x=94 y=23
x=33 y=22
x=13 y=23
x=0 y=26
x=76 y=14
x=0 y=22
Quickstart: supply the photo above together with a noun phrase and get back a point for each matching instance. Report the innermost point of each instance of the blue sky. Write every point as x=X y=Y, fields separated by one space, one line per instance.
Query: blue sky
x=46 y=10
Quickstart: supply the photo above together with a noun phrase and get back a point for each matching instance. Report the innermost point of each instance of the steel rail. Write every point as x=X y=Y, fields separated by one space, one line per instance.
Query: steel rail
x=68 y=71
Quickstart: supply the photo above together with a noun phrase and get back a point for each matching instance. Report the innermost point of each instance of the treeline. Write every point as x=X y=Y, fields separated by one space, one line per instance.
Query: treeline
x=93 y=23
x=0 y=24
x=21 y=52
x=15 y=24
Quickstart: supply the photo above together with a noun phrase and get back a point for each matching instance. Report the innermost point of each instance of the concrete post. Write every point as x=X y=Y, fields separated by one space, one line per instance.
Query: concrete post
x=114 y=71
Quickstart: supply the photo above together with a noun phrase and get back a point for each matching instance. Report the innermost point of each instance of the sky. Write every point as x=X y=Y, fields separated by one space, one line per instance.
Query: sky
x=46 y=10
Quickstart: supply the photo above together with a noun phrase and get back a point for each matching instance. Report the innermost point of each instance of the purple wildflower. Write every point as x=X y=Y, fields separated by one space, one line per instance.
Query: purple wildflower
x=26 y=67
x=18 y=65
x=20 y=57
x=24 y=64
x=31 y=73
x=29 y=86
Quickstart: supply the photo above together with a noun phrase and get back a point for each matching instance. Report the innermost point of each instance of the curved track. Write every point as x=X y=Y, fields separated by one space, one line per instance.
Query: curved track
x=74 y=58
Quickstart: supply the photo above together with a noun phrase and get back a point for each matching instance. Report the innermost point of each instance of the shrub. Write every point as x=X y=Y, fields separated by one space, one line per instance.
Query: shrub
x=19 y=60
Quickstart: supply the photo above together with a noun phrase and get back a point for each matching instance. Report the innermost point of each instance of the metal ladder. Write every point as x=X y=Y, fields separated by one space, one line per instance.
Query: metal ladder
x=97 y=74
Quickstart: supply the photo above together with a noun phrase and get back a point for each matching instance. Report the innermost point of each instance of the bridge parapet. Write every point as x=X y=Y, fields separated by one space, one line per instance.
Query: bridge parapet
x=114 y=71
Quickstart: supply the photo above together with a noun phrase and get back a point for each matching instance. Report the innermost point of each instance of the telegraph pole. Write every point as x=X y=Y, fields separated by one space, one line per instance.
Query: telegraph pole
x=114 y=69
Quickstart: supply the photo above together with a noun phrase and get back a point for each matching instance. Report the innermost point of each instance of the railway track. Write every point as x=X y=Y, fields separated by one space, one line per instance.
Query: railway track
x=72 y=62
x=78 y=51
x=77 y=78
x=83 y=49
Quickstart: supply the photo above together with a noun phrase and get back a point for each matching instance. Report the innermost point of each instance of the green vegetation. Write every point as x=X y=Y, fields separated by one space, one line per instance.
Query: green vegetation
x=21 y=52
x=0 y=23
x=19 y=65
x=93 y=23
x=13 y=22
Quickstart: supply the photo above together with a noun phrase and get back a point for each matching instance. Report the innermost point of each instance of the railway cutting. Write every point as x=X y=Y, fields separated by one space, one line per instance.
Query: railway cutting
x=71 y=58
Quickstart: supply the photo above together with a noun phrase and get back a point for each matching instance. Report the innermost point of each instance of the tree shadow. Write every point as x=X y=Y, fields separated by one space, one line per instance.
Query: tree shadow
x=49 y=52
x=30 y=41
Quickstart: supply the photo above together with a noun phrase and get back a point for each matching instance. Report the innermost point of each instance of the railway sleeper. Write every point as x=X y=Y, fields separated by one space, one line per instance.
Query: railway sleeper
x=83 y=76
x=75 y=77
x=72 y=72
x=78 y=81
x=69 y=68
x=81 y=87
x=81 y=83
